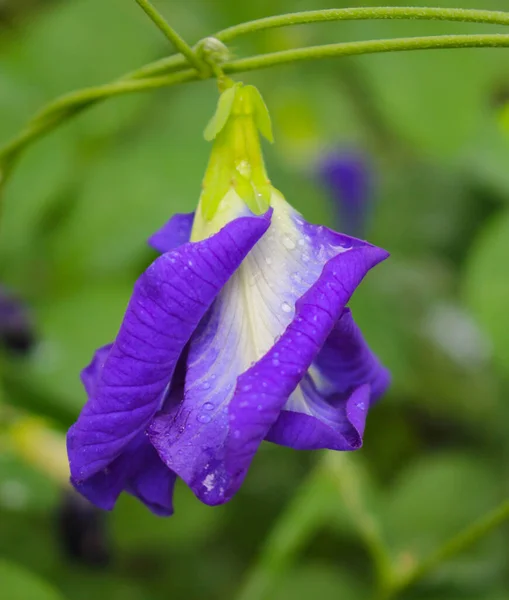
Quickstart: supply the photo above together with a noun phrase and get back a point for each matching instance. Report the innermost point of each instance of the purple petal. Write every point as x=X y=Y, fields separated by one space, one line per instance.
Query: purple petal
x=17 y=333
x=90 y=374
x=140 y=471
x=174 y=233
x=293 y=284
x=342 y=382
x=168 y=302
x=348 y=178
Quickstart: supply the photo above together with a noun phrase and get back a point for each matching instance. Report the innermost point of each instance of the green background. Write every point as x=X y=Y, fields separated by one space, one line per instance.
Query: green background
x=83 y=200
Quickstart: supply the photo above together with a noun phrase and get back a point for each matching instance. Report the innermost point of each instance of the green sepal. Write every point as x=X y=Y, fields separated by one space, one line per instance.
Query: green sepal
x=261 y=113
x=222 y=114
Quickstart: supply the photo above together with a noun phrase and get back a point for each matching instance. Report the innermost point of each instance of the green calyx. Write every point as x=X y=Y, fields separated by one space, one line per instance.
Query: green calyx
x=236 y=160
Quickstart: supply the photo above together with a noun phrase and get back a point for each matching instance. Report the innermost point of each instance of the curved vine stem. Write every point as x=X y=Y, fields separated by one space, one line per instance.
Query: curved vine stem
x=461 y=15
x=71 y=104
x=178 y=42
x=497 y=40
x=458 y=15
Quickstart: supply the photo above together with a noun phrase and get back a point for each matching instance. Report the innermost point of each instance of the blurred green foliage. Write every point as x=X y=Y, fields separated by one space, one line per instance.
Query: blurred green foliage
x=80 y=206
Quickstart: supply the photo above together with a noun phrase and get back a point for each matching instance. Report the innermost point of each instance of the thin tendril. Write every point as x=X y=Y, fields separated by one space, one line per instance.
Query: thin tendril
x=72 y=104
x=178 y=42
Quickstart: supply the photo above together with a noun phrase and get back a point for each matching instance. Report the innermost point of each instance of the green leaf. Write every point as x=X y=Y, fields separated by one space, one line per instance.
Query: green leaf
x=435 y=498
x=261 y=113
x=20 y=584
x=224 y=108
x=486 y=285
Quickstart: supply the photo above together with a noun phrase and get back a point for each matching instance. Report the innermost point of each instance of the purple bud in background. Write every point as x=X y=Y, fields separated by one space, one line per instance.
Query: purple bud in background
x=16 y=328
x=348 y=178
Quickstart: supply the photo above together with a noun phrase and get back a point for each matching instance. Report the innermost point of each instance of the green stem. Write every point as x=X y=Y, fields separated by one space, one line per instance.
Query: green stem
x=300 y=520
x=459 y=15
x=463 y=540
x=264 y=61
x=343 y=473
x=364 y=13
x=73 y=103
x=178 y=42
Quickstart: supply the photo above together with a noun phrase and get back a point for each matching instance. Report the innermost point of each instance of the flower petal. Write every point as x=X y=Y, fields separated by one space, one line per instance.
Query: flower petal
x=90 y=374
x=275 y=313
x=140 y=471
x=174 y=233
x=168 y=302
x=329 y=408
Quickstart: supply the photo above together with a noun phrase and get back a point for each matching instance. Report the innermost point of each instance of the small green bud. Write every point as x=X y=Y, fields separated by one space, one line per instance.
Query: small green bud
x=236 y=161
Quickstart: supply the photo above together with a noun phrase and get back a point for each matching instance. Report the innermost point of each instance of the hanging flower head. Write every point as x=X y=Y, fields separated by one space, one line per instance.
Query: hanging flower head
x=238 y=333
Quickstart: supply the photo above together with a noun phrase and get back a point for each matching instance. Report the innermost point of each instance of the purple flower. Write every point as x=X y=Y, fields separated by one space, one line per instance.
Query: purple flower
x=348 y=179
x=16 y=328
x=238 y=336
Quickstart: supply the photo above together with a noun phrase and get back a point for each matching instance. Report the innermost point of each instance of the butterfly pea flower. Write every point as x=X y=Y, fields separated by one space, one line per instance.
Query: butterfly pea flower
x=347 y=177
x=238 y=333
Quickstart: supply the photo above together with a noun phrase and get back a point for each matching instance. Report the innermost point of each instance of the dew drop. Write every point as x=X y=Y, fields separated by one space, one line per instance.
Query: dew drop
x=259 y=407
x=203 y=418
x=208 y=406
x=268 y=260
x=288 y=242
x=236 y=433
x=285 y=307
x=361 y=405
x=305 y=258
x=246 y=388
x=302 y=242
x=205 y=386
x=275 y=362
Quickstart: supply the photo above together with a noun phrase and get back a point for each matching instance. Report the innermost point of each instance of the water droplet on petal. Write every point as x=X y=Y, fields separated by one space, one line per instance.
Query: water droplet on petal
x=305 y=258
x=208 y=406
x=260 y=407
x=275 y=362
x=288 y=242
x=285 y=307
x=361 y=405
x=204 y=418
x=236 y=433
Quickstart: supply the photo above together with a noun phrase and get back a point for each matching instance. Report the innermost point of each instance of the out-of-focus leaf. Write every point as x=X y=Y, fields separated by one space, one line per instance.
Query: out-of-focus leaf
x=72 y=327
x=134 y=527
x=39 y=181
x=487 y=157
x=20 y=584
x=137 y=188
x=316 y=580
x=23 y=488
x=436 y=497
x=434 y=100
x=486 y=285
